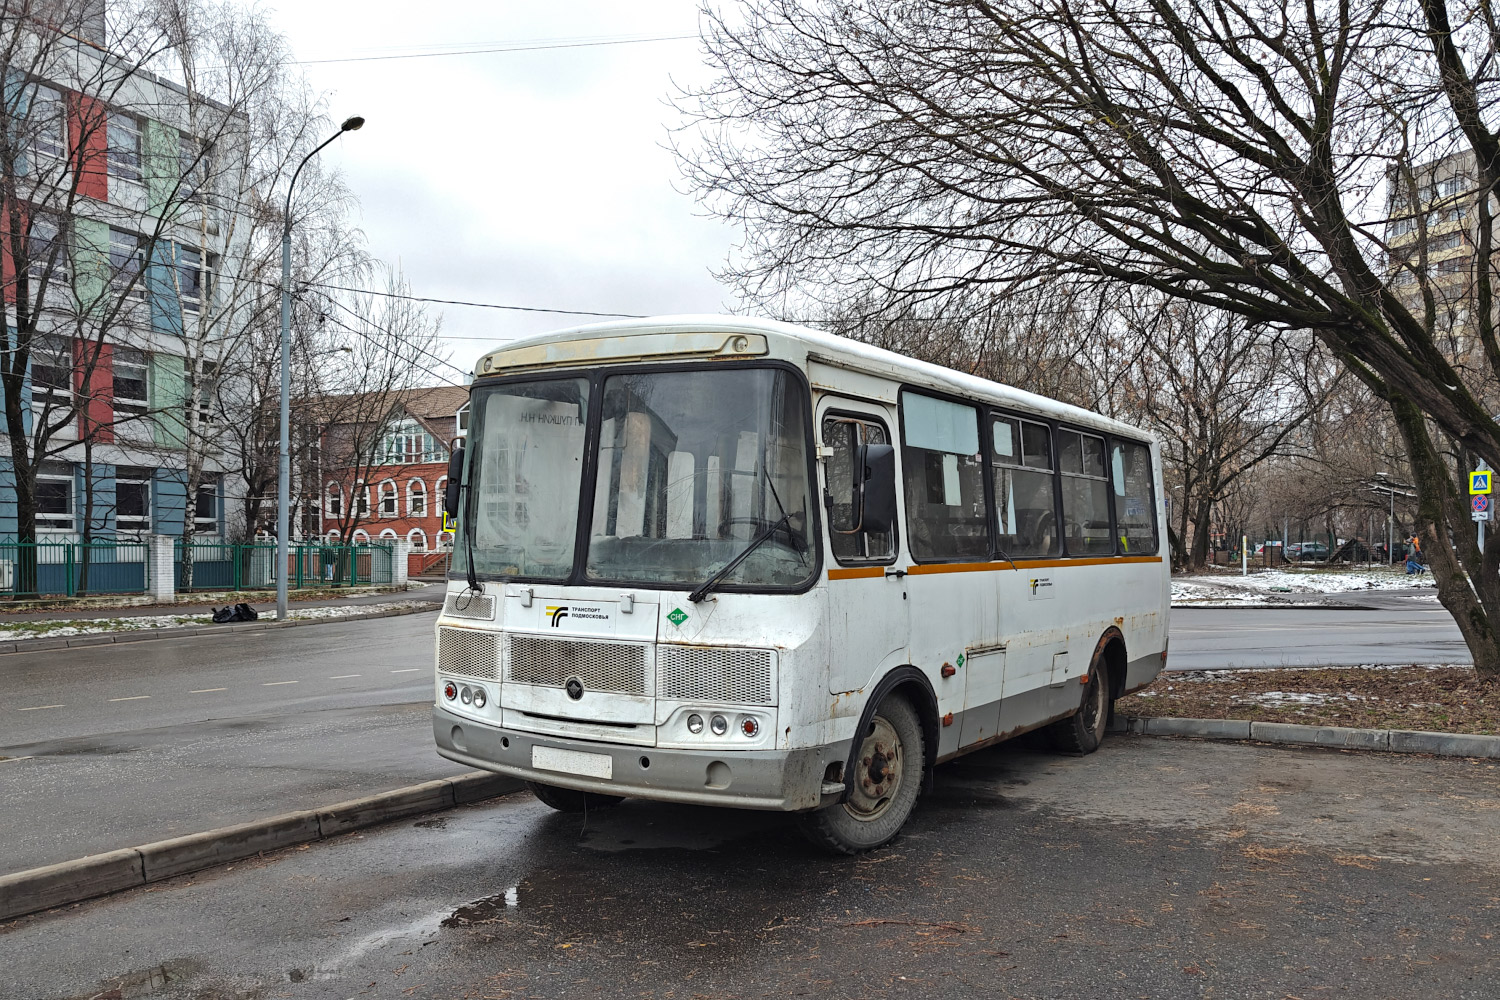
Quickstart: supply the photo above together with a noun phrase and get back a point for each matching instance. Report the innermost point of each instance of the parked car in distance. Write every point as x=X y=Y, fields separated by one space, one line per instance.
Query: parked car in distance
x=1312 y=552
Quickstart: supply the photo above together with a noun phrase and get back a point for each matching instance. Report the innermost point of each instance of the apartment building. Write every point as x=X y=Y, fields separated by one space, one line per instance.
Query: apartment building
x=1430 y=235
x=130 y=232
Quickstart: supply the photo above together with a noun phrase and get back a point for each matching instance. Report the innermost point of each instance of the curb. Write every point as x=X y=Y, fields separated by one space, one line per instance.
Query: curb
x=1337 y=737
x=184 y=631
x=67 y=882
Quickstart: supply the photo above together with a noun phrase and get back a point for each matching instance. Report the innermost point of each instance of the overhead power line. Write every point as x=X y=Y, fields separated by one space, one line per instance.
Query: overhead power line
x=501 y=48
x=475 y=305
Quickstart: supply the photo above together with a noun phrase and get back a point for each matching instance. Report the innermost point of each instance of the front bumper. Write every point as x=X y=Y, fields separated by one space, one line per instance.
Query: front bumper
x=783 y=780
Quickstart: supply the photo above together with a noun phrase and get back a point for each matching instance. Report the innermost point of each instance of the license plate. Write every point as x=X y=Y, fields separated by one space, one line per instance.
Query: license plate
x=590 y=765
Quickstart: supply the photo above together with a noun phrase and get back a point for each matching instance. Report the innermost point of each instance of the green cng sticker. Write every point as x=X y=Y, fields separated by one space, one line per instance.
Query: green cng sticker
x=677 y=617
x=960 y=659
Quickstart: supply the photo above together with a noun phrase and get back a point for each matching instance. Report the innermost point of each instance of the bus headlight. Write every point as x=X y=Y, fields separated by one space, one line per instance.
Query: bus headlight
x=466 y=695
x=479 y=697
x=719 y=725
x=695 y=723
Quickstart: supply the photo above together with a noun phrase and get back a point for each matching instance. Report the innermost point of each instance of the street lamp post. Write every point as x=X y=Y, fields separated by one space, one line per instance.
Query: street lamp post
x=284 y=472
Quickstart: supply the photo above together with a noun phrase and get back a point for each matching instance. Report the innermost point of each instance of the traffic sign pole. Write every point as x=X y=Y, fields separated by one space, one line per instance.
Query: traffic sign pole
x=1483 y=467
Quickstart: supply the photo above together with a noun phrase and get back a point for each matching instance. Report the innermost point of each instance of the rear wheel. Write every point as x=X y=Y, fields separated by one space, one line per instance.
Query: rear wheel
x=887 y=780
x=570 y=800
x=1083 y=731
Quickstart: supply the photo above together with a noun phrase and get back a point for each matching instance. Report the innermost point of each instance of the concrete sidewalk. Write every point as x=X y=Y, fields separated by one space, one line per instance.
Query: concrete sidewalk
x=195 y=604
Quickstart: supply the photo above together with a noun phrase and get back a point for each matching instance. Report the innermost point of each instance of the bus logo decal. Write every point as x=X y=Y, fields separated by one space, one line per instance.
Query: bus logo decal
x=557 y=612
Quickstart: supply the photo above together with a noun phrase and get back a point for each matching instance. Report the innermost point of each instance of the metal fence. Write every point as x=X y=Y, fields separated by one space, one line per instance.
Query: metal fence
x=76 y=569
x=231 y=566
x=73 y=569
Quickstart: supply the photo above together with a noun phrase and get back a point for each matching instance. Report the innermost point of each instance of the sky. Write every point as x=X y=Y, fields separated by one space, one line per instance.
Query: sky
x=524 y=178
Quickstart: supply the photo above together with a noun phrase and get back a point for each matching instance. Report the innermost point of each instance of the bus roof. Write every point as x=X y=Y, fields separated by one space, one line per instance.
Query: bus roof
x=617 y=341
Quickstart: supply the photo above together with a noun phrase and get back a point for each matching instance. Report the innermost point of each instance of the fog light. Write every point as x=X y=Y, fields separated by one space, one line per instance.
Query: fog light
x=719 y=725
x=479 y=697
x=750 y=727
x=695 y=724
x=450 y=690
x=466 y=695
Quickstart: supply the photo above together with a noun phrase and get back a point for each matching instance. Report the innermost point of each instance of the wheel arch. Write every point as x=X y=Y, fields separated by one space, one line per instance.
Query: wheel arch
x=1110 y=650
x=910 y=682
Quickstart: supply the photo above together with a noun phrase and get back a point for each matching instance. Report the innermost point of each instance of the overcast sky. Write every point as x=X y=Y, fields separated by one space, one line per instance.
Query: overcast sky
x=524 y=178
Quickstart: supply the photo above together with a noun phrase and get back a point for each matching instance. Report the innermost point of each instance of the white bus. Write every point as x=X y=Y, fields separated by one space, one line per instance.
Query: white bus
x=742 y=563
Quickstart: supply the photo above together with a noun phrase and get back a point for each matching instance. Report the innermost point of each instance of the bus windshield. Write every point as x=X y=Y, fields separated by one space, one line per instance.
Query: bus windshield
x=692 y=467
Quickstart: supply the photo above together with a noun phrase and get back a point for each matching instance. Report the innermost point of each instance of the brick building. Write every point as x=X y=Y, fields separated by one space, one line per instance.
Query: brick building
x=396 y=491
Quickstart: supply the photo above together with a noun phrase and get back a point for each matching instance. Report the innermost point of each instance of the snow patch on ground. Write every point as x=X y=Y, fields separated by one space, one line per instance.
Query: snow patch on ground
x=1270 y=588
x=67 y=628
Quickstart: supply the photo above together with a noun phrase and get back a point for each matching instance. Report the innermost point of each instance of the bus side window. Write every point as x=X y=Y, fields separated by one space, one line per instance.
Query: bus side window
x=1135 y=503
x=1024 y=506
x=1085 y=494
x=844 y=435
x=947 y=517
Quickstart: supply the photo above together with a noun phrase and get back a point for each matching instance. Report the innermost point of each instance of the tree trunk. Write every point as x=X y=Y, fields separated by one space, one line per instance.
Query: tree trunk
x=1437 y=499
x=1201 y=531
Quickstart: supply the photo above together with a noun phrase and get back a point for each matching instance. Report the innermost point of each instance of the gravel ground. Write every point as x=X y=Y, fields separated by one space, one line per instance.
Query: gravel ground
x=1433 y=699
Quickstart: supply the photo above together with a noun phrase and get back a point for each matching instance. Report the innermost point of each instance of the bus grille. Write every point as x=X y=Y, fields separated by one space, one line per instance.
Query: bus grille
x=601 y=666
x=702 y=673
x=469 y=606
x=468 y=652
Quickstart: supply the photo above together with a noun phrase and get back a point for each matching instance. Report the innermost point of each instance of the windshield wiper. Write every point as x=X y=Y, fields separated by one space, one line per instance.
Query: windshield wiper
x=784 y=521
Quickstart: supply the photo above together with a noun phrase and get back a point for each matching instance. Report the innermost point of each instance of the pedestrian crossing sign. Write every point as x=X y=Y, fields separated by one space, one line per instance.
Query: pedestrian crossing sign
x=1480 y=482
x=450 y=523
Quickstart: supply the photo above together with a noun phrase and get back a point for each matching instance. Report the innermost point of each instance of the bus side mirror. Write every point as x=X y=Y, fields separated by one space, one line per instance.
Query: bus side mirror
x=455 y=482
x=877 y=491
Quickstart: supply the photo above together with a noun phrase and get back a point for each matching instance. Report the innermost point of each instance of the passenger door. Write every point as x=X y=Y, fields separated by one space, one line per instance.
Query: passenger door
x=867 y=610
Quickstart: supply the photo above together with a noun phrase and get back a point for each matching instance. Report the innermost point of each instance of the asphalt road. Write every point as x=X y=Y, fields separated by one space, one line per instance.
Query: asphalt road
x=114 y=746
x=1154 y=868
x=1398 y=631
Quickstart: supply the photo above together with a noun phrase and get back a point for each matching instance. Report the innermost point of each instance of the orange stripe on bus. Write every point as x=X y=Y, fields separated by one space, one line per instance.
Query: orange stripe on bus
x=863 y=572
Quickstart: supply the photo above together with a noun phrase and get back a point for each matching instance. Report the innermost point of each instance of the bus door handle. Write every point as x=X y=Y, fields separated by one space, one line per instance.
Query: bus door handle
x=898 y=573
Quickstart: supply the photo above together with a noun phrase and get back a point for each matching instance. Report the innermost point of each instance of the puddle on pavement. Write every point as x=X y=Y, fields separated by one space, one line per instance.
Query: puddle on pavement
x=146 y=982
x=485 y=911
x=645 y=826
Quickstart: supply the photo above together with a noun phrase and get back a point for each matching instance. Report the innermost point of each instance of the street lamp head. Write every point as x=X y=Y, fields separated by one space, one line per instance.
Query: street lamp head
x=352 y=124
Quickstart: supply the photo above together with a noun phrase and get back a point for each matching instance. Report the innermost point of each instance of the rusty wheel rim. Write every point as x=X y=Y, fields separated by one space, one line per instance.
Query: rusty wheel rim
x=877 y=772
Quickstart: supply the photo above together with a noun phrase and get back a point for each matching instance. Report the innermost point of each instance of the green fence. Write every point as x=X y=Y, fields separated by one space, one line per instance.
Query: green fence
x=73 y=569
x=230 y=566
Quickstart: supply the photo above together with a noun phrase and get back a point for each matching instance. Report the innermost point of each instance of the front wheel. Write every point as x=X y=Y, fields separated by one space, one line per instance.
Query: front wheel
x=570 y=800
x=888 y=771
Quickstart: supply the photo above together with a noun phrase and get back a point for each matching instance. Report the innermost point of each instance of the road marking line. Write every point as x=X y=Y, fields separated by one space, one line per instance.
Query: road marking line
x=408 y=670
x=38 y=708
x=207 y=690
x=134 y=697
x=270 y=684
x=343 y=677
x=4 y=759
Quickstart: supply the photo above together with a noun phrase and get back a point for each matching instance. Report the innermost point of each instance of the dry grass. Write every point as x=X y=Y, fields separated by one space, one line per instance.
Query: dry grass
x=1435 y=699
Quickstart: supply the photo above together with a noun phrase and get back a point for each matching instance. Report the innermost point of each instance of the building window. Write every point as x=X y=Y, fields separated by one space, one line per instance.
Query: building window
x=124 y=139
x=51 y=369
x=132 y=382
x=47 y=119
x=360 y=500
x=408 y=444
x=416 y=498
x=132 y=499
x=461 y=421
x=54 y=496
x=440 y=492
x=190 y=279
x=207 y=386
x=361 y=537
x=1085 y=500
x=388 y=499
x=206 y=507
x=417 y=538
x=41 y=244
x=388 y=535
x=125 y=260
x=192 y=159
x=946 y=513
x=335 y=500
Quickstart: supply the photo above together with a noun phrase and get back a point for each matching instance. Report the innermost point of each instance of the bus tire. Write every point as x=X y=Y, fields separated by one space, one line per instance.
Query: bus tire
x=1083 y=731
x=888 y=773
x=570 y=800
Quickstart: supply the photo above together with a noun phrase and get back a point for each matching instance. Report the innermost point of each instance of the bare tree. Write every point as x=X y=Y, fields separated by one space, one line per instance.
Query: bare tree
x=1228 y=156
